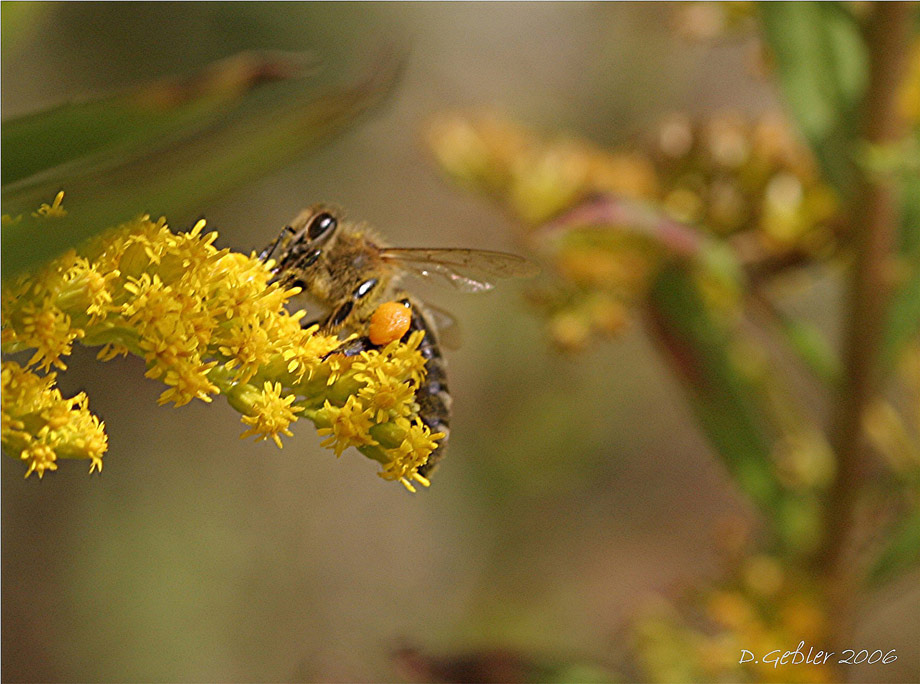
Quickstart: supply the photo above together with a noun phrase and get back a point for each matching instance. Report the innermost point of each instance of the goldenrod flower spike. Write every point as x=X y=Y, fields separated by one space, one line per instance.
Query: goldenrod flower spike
x=40 y=426
x=207 y=321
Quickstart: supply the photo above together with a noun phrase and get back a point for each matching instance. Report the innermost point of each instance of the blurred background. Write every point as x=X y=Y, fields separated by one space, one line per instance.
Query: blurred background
x=576 y=488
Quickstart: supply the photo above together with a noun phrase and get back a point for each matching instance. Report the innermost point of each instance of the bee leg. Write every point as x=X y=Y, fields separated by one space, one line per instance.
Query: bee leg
x=336 y=321
x=285 y=233
x=353 y=347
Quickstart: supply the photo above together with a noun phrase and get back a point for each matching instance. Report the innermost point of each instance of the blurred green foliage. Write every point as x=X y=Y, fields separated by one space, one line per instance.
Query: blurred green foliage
x=168 y=147
x=822 y=70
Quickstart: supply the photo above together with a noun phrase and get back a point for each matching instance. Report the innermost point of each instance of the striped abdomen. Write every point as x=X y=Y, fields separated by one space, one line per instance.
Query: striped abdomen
x=432 y=396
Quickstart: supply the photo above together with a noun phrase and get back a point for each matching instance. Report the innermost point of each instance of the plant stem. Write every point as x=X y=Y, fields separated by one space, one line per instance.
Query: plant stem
x=874 y=224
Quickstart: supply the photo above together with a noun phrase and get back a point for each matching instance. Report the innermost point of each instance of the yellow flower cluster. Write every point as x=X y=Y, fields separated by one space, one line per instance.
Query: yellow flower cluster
x=724 y=174
x=381 y=418
x=535 y=176
x=40 y=426
x=730 y=174
x=206 y=321
x=605 y=221
x=765 y=610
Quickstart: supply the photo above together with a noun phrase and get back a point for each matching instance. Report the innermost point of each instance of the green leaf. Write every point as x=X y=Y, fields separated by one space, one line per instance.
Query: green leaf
x=901 y=551
x=811 y=345
x=113 y=128
x=172 y=166
x=725 y=403
x=730 y=406
x=822 y=67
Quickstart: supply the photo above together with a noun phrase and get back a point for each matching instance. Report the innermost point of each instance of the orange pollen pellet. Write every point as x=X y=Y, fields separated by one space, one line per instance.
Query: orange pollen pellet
x=389 y=322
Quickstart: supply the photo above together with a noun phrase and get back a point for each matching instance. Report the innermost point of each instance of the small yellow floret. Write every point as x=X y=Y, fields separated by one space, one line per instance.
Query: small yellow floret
x=387 y=396
x=273 y=414
x=54 y=210
x=412 y=454
x=349 y=425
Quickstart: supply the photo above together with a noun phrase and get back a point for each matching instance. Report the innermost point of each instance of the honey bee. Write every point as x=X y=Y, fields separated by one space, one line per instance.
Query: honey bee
x=346 y=270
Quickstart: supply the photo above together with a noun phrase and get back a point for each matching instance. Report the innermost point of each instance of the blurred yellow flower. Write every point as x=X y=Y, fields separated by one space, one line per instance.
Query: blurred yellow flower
x=605 y=221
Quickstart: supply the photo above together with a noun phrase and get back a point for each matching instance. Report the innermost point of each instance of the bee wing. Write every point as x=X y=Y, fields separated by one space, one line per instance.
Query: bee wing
x=446 y=325
x=468 y=270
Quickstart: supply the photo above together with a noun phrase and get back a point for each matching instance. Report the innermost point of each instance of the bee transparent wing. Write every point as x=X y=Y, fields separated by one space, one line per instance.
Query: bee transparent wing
x=446 y=326
x=468 y=270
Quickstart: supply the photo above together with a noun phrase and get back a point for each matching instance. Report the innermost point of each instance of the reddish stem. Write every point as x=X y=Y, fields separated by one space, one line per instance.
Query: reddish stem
x=874 y=228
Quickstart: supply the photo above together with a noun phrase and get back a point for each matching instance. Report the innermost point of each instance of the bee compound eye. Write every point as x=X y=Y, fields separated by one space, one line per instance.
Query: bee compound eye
x=321 y=224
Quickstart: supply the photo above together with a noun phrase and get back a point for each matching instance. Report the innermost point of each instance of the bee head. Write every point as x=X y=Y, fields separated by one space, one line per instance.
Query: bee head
x=302 y=242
